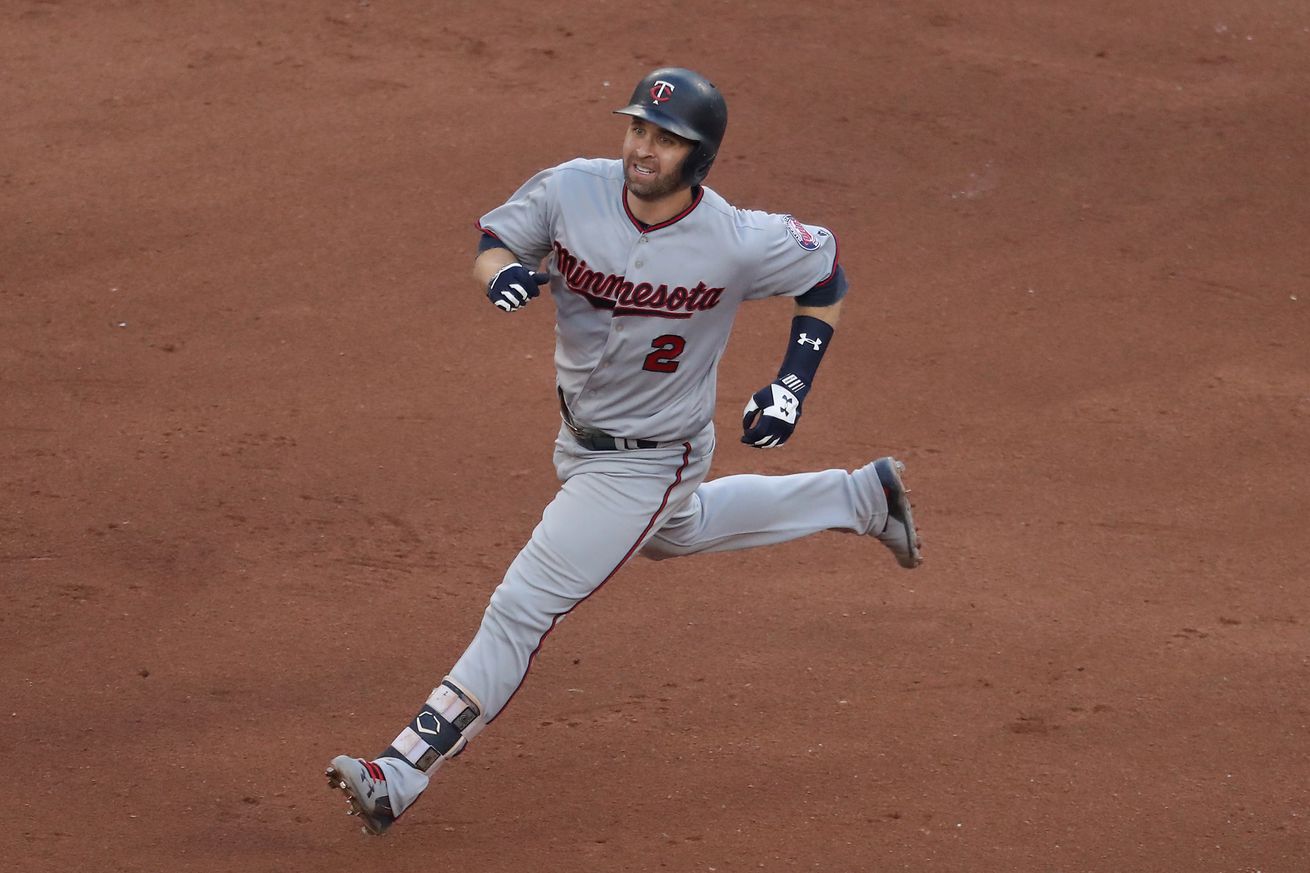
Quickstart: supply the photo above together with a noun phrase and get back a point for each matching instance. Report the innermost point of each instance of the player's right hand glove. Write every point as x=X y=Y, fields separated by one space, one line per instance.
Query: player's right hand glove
x=770 y=417
x=514 y=285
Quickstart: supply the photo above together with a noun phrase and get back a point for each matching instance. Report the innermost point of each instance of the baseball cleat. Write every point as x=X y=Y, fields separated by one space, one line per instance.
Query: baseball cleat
x=365 y=787
x=899 y=534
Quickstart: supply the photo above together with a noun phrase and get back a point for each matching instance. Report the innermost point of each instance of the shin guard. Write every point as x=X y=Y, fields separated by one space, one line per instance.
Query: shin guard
x=448 y=720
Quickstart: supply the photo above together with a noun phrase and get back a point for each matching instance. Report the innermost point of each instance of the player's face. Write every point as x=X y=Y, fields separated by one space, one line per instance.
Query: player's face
x=652 y=160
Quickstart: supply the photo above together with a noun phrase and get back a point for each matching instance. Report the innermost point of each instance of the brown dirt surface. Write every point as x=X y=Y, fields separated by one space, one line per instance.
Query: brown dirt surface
x=265 y=450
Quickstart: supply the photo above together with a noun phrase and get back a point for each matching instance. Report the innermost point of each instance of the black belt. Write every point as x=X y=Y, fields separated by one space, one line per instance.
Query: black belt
x=598 y=440
x=606 y=443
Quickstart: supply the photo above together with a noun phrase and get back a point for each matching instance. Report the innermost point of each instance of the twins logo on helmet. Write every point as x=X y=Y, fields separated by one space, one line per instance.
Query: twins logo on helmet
x=661 y=91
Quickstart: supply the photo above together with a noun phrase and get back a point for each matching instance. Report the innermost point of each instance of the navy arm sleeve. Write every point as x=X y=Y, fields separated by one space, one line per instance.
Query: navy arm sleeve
x=488 y=242
x=827 y=292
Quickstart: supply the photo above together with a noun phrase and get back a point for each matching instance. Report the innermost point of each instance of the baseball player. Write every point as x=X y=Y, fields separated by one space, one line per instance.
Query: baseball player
x=647 y=268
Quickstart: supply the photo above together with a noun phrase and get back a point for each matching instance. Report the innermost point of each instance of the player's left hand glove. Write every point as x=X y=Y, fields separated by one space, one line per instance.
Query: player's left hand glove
x=770 y=417
x=773 y=411
x=514 y=285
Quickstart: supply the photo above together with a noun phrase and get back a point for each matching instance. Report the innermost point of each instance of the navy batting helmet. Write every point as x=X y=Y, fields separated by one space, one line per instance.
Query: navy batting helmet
x=686 y=103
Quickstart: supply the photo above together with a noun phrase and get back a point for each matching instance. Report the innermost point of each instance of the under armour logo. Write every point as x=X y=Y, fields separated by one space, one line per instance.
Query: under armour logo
x=785 y=404
x=661 y=91
x=806 y=341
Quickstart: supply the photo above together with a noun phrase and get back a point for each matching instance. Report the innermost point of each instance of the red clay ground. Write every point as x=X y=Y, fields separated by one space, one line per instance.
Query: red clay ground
x=264 y=450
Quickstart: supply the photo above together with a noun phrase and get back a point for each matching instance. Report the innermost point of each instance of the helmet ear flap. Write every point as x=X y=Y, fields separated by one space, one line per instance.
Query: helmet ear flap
x=697 y=165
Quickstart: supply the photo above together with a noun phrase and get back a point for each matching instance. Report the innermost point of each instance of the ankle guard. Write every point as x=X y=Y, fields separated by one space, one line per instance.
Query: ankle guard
x=442 y=728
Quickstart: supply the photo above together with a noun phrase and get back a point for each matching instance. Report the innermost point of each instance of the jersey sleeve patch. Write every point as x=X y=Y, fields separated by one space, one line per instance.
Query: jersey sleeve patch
x=808 y=238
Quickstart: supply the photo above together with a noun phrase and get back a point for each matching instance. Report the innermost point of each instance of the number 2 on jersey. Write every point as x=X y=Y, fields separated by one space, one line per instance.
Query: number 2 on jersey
x=665 y=357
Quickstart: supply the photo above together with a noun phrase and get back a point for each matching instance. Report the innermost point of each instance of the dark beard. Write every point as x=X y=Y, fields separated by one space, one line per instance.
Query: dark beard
x=665 y=186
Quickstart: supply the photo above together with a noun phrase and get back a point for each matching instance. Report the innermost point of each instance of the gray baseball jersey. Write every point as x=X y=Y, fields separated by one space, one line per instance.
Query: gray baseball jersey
x=644 y=313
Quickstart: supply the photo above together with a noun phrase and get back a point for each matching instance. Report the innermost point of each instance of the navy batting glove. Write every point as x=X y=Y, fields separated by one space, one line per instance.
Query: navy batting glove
x=772 y=413
x=770 y=417
x=514 y=285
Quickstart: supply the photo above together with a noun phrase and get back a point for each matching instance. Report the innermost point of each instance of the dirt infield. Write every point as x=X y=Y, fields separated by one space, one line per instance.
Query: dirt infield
x=265 y=450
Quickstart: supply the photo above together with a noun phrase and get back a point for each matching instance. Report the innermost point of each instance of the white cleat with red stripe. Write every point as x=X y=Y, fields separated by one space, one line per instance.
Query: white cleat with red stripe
x=365 y=785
